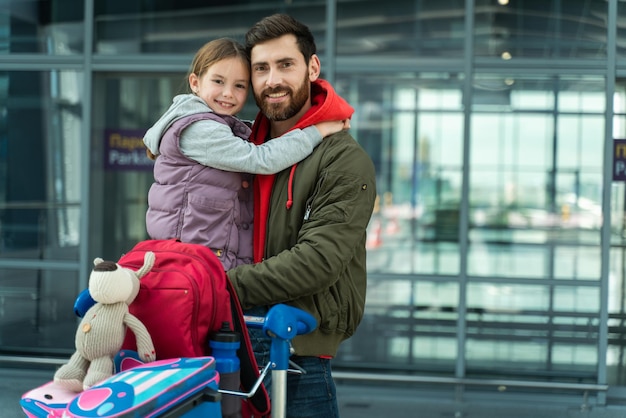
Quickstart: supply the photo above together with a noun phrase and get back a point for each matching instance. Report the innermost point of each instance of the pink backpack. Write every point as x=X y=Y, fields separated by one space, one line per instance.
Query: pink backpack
x=182 y=298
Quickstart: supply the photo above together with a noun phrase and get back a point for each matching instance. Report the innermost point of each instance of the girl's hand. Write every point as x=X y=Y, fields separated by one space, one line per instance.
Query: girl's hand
x=331 y=127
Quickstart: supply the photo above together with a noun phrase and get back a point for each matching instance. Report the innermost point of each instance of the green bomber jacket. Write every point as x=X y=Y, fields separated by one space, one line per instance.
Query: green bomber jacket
x=315 y=256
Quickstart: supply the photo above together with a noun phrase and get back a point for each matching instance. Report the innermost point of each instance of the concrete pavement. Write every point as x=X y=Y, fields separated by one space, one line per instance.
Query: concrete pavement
x=369 y=400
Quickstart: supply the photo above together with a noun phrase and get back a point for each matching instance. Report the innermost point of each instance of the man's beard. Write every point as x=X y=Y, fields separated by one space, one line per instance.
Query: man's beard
x=277 y=112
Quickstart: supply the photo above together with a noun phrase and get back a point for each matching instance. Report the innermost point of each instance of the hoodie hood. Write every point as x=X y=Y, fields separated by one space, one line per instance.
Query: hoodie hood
x=182 y=105
x=326 y=105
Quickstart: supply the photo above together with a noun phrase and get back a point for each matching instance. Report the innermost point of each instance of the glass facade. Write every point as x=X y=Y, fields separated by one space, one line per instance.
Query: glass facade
x=497 y=249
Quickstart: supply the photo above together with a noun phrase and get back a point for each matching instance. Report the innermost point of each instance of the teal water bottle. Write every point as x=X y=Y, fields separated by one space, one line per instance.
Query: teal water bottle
x=224 y=345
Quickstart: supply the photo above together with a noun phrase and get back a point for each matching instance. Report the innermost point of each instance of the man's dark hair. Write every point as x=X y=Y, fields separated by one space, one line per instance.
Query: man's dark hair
x=277 y=25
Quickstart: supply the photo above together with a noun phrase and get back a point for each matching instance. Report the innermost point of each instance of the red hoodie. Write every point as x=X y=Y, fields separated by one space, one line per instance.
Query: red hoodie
x=326 y=105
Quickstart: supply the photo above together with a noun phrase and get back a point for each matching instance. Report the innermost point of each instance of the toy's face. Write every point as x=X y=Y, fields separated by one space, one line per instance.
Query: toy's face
x=108 y=287
x=134 y=291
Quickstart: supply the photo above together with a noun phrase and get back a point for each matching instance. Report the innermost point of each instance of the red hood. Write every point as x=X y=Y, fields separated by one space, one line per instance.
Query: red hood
x=326 y=105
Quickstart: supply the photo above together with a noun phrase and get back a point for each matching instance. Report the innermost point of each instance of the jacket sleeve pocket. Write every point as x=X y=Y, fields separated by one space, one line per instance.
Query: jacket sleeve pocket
x=335 y=196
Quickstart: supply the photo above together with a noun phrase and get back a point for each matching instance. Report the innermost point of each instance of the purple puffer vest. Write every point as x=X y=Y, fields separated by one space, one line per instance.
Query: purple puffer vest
x=200 y=204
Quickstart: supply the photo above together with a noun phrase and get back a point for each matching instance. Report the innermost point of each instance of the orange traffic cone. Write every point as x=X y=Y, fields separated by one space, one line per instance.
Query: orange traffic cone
x=374 y=239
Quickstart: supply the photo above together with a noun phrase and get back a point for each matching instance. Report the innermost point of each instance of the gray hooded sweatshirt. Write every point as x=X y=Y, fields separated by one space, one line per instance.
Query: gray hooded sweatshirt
x=202 y=192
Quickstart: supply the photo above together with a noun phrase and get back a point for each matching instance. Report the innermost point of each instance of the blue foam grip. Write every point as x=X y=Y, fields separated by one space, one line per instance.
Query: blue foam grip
x=283 y=323
x=286 y=321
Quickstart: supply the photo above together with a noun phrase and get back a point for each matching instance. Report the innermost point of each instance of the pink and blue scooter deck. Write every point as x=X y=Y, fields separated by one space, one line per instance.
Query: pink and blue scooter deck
x=147 y=391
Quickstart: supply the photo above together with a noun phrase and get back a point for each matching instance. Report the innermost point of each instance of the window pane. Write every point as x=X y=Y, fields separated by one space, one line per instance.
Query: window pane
x=40 y=162
x=182 y=27
x=53 y=27
x=536 y=179
x=413 y=129
x=621 y=33
x=418 y=322
x=514 y=329
x=541 y=29
x=401 y=28
x=36 y=311
x=577 y=262
x=616 y=303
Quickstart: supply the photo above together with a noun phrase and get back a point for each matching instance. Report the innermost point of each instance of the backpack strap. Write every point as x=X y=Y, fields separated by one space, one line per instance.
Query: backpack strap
x=249 y=368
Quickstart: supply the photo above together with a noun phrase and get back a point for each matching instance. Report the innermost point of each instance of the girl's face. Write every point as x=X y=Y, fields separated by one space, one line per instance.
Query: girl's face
x=224 y=86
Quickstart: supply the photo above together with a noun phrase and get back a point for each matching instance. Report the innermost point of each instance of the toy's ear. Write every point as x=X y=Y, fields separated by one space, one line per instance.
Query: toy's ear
x=148 y=262
x=97 y=261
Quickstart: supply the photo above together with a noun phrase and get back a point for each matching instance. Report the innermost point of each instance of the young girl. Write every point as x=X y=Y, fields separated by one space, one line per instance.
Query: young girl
x=202 y=192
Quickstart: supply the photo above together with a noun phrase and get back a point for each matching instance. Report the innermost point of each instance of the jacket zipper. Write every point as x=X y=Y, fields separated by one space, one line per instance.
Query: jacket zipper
x=309 y=202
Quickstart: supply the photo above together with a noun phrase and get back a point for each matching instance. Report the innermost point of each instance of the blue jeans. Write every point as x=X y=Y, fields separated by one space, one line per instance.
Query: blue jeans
x=310 y=395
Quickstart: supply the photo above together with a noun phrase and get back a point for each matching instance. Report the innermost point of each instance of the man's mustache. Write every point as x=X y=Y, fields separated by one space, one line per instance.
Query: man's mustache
x=273 y=90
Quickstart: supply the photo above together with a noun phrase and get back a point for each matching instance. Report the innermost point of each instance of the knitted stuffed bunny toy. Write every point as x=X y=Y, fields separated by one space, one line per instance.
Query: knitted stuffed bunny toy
x=101 y=332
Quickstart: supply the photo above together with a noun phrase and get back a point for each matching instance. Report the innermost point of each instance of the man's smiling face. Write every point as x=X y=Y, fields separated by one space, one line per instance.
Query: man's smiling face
x=281 y=79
